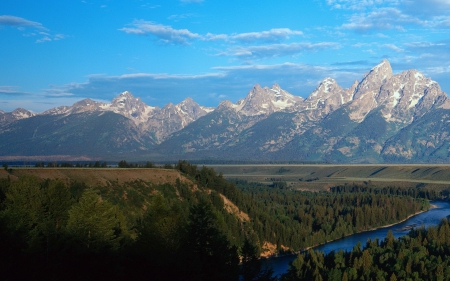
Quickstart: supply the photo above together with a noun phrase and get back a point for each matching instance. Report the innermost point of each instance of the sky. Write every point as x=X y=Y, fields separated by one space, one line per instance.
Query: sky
x=55 y=53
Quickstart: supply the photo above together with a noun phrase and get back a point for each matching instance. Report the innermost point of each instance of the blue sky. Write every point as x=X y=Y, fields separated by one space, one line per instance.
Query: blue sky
x=55 y=53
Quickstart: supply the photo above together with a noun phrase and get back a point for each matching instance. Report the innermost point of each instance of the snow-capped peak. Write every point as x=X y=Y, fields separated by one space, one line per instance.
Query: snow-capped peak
x=21 y=113
x=263 y=101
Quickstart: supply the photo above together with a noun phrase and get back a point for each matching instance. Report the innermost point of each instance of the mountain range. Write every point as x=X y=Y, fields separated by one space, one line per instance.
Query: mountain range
x=384 y=118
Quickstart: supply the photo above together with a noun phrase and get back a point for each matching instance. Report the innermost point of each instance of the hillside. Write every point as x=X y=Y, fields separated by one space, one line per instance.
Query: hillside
x=146 y=222
x=100 y=177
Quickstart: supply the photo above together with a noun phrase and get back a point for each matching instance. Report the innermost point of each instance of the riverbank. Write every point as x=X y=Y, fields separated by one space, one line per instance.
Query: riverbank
x=432 y=206
x=432 y=217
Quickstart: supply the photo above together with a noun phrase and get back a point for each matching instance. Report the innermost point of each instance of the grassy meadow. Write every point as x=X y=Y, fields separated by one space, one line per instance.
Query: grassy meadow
x=323 y=176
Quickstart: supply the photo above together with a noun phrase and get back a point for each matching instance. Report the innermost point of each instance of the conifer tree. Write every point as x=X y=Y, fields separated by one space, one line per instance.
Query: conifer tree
x=96 y=224
x=212 y=255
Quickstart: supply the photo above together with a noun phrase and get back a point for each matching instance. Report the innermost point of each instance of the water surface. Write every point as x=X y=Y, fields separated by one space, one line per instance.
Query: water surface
x=426 y=219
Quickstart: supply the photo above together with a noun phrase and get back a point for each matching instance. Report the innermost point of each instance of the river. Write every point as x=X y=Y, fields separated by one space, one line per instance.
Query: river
x=430 y=218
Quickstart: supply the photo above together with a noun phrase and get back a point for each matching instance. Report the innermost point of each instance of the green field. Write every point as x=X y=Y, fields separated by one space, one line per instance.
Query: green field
x=319 y=177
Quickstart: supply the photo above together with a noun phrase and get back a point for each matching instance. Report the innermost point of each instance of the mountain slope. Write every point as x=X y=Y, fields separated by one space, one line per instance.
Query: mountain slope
x=385 y=117
x=94 y=134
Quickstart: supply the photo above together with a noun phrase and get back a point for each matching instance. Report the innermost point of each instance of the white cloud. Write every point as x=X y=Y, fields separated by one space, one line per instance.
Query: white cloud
x=164 y=33
x=275 y=34
x=430 y=8
x=372 y=15
x=36 y=104
x=44 y=39
x=215 y=37
x=381 y=19
x=276 y=50
x=232 y=82
x=169 y=35
x=359 y=4
x=59 y=36
x=394 y=48
x=150 y=6
x=272 y=35
x=38 y=29
x=20 y=22
x=181 y=16
x=11 y=91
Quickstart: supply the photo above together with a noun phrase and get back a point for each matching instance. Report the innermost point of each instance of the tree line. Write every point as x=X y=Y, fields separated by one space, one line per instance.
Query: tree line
x=423 y=254
x=181 y=231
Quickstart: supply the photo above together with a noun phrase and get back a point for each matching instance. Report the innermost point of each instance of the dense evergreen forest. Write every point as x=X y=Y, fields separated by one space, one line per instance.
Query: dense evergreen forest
x=139 y=230
x=423 y=254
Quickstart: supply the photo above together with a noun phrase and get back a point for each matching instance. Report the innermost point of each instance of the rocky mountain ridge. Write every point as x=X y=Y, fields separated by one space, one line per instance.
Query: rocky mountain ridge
x=369 y=122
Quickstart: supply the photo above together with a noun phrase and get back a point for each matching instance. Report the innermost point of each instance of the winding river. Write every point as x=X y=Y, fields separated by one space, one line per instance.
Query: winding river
x=426 y=219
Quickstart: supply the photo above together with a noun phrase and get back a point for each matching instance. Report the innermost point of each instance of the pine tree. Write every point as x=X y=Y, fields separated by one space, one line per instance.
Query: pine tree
x=212 y=256
x=95 y=224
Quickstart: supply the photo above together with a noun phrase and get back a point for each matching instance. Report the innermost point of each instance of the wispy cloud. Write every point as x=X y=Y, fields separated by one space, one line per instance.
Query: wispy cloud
x=169 y=35
x=37 y=28
x=181 y=16
x=150 y=6
x=375 y=15
x=359 y=62
x=20 y=22
x=276 y=50
x=272 y=35
x=165 y=34
x=380 y=19
x=394 y=48
x=232 y=82
x=44 y=39
x=359 y=4
x=12 y=91
x=430 y=54
x=429 y=8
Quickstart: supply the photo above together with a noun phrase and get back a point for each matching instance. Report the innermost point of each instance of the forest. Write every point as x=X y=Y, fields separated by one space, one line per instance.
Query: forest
x=51 y=230
x=423 y=254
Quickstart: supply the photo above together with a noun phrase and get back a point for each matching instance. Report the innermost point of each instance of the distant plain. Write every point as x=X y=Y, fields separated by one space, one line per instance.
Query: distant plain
x=323 y=176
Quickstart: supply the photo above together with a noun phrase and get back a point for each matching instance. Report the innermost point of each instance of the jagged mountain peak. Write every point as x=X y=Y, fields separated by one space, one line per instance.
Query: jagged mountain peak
x=374 y=79
x=276 y=87
x=327 y=97
x=21 y=113
x=263 y=101
x=169 y=105
x=380 y=73
x=226 y=104
x=366 y=95
x=16 y=114
x=383 y=67
x=326 y=87
x=327 y=82
x=189 y=106
x=86 y=103
x=188 y=100
x=282 y=95
x=126 y=94
x=127 y=105
x=124 y=99
x=188 y=103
